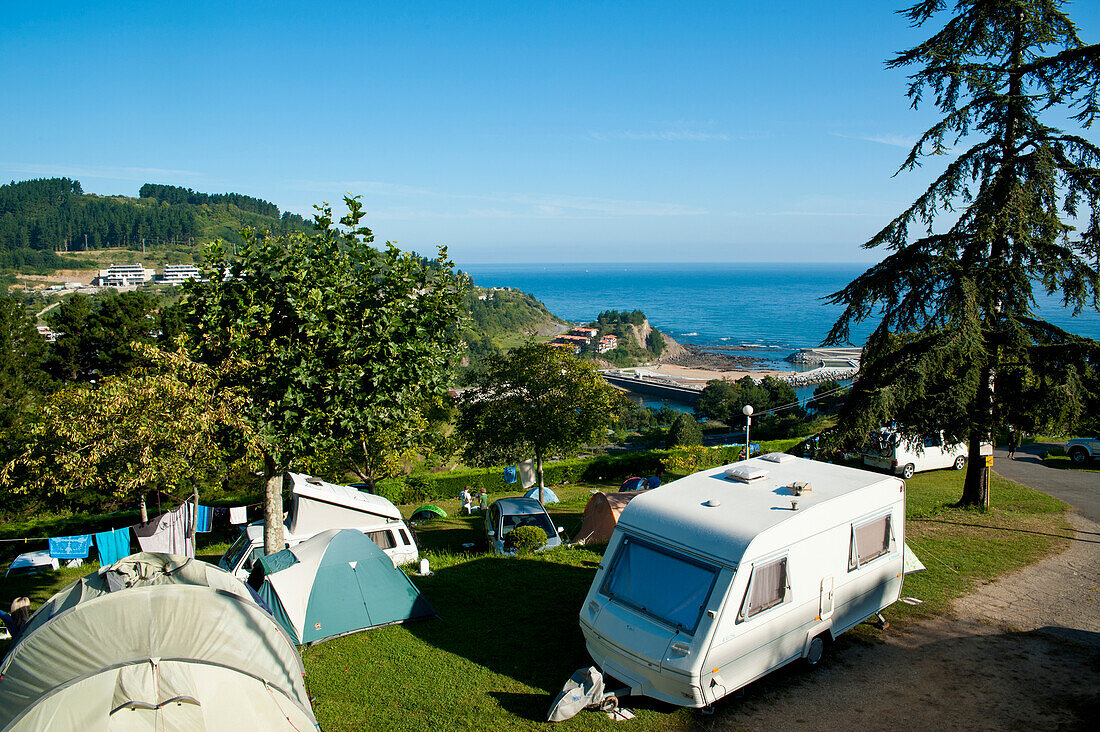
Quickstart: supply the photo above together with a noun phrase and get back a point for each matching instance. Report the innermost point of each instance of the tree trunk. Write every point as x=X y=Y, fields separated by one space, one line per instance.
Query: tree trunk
x=144 y=512
x=195 y=520
x=273 y=507
x=538 y=471
x=976 y=486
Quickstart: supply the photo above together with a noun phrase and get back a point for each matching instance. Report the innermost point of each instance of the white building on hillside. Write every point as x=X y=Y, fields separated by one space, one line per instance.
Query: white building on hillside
x=125 y=275
x=177 y=274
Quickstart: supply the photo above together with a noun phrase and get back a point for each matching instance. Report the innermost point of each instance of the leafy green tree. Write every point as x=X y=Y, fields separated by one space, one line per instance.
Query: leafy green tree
x=96 y=335
x=535 y=399
x=957 y=305
x=828 y=396
x=22 y=379
x=98 y=447
x=684 y=431
x=332 y=341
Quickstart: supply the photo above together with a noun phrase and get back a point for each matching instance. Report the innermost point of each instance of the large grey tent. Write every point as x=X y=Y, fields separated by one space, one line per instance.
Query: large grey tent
x=336 y=583
x=154 y=641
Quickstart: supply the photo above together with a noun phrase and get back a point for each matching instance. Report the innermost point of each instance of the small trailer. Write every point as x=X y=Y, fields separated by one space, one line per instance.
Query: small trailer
x=714 y=580
x=316 y=506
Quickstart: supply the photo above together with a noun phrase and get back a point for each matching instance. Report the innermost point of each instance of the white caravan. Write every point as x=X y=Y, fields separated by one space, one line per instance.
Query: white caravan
x=896 y=454
x=317 y=506
x=712 y=581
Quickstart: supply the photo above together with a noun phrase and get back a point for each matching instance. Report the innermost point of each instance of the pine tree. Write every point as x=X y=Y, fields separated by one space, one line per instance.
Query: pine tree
x=959 y=346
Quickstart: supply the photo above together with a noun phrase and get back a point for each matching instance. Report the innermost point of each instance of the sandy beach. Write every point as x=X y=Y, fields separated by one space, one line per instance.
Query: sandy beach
x=698 y=377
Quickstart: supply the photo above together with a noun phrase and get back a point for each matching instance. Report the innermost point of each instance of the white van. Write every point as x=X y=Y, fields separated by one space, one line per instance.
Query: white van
x=317 y=506
x=894 y=453
x=712 y=581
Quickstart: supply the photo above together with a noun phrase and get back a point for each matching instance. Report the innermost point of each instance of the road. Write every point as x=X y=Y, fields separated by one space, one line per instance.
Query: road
x=1078 y=488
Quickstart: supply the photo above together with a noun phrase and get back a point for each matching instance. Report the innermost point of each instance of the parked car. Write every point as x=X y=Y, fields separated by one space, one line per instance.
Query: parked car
x=889 y=451
x=506 y=514
x=1081 y=449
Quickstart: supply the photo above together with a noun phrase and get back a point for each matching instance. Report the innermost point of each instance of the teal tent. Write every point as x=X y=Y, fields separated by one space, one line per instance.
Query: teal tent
x=336 y=583
x=548 y=496
x=427 y=513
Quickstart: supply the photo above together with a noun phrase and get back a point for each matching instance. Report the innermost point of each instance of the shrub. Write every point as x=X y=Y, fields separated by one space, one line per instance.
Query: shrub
x=685 y=431
x=525 y=539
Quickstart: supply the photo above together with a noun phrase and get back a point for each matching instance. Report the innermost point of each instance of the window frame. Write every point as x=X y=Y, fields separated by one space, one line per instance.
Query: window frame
x=855 y=561
x=605 y=585
x=742 y=614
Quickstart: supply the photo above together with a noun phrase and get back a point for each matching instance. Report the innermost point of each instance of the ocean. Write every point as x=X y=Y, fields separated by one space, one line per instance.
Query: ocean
x=769 y=310
x=761 y=310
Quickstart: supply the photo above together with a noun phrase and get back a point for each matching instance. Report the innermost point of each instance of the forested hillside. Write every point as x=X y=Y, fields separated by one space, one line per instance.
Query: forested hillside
x=44 y=217
x=503 y=318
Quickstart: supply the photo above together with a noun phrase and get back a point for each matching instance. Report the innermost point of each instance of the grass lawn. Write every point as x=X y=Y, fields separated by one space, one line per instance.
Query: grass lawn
x=507 y=635
x=1062 y=462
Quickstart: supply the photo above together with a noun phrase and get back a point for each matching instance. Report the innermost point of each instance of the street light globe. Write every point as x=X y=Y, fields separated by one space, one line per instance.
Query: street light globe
x=747 y=410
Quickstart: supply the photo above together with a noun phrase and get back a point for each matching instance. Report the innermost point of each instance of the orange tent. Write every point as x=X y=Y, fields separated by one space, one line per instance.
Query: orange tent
x=600 y=516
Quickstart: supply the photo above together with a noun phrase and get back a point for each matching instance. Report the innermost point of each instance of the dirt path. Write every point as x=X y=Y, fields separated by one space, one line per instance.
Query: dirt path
x=1022 y=652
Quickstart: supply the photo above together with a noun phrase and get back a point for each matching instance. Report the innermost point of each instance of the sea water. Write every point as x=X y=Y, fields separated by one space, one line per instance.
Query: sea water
x=759 y=308
x=765 y=311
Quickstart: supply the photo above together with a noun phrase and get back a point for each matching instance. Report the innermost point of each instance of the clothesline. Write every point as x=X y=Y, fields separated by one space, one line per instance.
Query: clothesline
x=27 y=539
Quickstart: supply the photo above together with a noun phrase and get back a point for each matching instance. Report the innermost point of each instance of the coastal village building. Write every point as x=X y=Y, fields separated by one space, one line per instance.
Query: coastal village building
x=47 y=332
x=125 y=275
x=585 y=332
x=567 y=345
x=607 y=343
x=177 y=274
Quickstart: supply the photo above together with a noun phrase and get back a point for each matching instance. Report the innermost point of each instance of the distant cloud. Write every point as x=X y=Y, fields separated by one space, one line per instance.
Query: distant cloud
x=905 y=141
x=661 y=135
x=109 y=172
x=813 y=213
x=498 y=205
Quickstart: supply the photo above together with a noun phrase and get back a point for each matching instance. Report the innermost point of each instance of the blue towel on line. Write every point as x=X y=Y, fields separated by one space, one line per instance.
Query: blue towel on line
x=510 y=474
x=112 y=546
x=203 y=519
x=70 y=547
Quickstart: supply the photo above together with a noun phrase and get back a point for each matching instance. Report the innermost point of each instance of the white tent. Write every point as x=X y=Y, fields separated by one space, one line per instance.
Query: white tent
x=166 y=641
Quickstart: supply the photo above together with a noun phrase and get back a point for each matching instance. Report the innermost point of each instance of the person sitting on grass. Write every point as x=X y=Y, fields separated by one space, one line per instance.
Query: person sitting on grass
x=484 y=500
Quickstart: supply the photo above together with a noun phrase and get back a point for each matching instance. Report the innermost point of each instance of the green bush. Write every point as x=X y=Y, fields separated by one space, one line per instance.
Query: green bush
x=525 y=539
x=685 y=431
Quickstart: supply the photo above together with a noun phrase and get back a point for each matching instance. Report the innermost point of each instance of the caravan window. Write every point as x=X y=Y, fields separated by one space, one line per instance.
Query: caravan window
x=405 y=537
x=668 y=586
x=768 y=587
x=870 y=540
x=384 y=539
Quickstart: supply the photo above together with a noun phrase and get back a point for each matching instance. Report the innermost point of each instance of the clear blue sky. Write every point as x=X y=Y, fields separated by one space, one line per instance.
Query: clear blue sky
x=510 y=131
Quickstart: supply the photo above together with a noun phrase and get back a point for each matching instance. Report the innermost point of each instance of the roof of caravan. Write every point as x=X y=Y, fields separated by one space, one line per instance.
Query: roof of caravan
x=342 y=495
x=678 y=512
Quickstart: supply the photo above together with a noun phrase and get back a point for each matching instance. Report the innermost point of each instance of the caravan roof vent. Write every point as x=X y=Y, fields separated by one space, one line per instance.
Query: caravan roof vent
x=777 y=457
x=713 y=503
x=746 y=474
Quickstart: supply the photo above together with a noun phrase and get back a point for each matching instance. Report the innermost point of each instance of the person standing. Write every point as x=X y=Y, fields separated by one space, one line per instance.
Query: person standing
x=1013 y=442
x=467 y=501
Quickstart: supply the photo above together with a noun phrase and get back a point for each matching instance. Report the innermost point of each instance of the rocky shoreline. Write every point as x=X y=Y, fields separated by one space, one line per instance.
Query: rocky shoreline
x=694 y=357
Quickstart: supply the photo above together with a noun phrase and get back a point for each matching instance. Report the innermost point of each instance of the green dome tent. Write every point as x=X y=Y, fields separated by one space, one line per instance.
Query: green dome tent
x=336 y=583
x=427 y=512
x=167 y=641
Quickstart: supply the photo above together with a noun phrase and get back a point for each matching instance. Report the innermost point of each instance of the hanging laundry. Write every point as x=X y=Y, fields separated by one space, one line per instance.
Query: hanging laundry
x=510 y=474
x=70 y=547
x=203 y=519
x=112 y=546
x=169 y=533
x=238 y=515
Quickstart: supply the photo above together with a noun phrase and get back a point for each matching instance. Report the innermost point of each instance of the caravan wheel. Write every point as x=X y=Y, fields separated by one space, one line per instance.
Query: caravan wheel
x=816 y=651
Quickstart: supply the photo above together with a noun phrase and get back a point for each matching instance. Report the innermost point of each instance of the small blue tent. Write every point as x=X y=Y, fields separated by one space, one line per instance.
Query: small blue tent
x=336 y=583
x=548 y=495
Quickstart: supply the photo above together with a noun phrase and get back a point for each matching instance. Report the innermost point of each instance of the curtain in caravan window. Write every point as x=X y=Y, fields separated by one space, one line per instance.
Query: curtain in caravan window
x=869 y=540
x=384 y=539
x=767 y=588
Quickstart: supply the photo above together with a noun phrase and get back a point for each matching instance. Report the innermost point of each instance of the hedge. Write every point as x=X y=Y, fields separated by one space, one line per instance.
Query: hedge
x=422 y=487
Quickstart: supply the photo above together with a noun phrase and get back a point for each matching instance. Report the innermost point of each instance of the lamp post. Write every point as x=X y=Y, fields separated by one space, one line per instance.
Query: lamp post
x=747 y=411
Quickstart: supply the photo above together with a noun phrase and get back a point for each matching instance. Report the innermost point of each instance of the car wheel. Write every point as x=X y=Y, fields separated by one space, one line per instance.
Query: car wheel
x=960 y=462
x=908 y=471
x=1079 y=455
x=816 y=651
